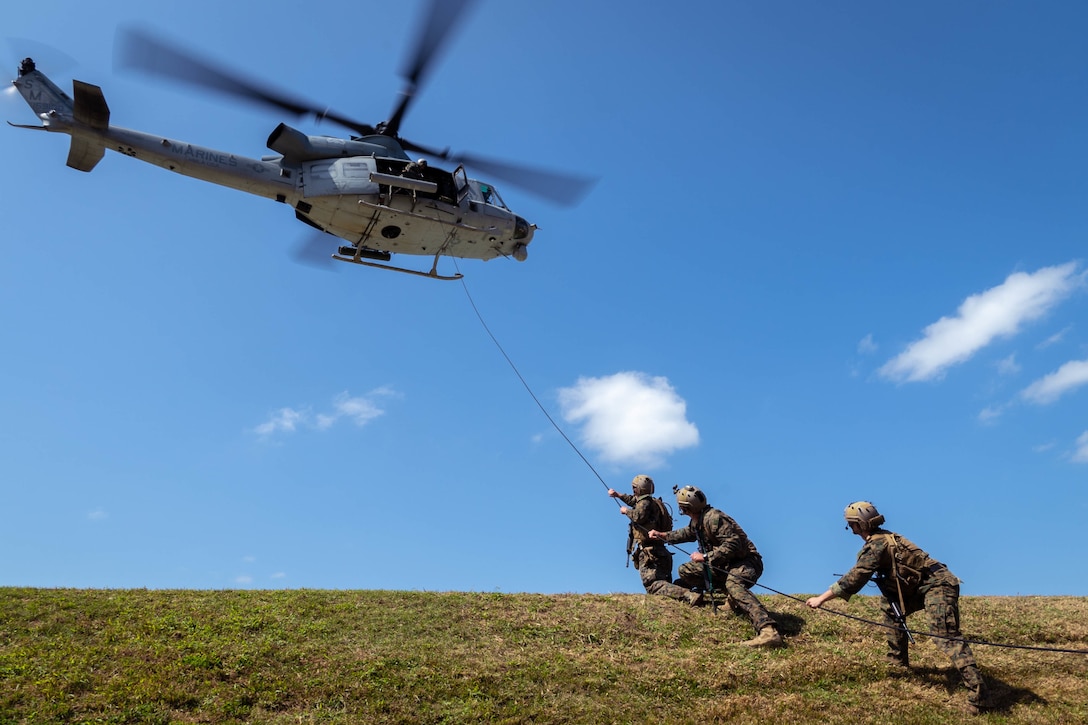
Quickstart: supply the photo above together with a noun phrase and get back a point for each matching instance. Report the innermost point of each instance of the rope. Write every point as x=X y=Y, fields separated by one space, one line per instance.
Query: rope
x=715 y=569
x=523 y=382
x=897 y=627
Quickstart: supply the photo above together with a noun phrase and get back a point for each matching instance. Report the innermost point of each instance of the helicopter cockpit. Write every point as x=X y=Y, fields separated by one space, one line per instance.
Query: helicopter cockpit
x=488 y=194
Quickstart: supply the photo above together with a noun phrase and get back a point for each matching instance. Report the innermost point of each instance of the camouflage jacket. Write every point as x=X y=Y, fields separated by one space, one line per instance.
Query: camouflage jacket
x=722 y=539
x=644 y=515
x=915 y=567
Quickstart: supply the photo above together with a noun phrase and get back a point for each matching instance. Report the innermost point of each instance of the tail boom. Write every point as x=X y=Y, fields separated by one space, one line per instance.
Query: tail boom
x=87 y=120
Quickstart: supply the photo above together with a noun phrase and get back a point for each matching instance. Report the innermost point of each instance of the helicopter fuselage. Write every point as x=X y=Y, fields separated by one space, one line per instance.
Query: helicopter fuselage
x=363 y=190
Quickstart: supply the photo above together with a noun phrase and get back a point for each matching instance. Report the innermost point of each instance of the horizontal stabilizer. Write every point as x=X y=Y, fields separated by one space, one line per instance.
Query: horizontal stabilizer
x=89 y=109
x=84 y=155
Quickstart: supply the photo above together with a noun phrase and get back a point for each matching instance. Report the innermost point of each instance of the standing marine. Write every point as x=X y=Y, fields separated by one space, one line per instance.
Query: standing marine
x=727 y=559
x=652 y=559
x=911 y=581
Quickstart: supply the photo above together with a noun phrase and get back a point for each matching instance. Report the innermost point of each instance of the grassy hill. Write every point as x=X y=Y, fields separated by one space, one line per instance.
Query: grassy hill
x=305 y=656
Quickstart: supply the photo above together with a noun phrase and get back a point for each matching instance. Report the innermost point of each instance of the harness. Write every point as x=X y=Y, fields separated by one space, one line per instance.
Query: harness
x=662 y=521
x=909 y=565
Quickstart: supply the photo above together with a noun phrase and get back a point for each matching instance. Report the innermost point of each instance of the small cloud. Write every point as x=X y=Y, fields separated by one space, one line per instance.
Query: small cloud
x=1043 y=447
x=97 y=515
x=1049 y=388
x=249 y=559
x=990 y=413
x=284 y=420
x=243 y=579
x=998 y=312
x=279 y=575
x=1054 y=339
x=359 y=410
x=1008 y=365
x=866 y=346
x=1080 y=455
x=629 y=417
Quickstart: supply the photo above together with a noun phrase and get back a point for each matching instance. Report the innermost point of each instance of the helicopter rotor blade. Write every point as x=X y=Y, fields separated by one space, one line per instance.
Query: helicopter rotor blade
x=426 y=151
x=138 y=50
x=561 y=188
x=555 y=186
x=441 y=19
x=316 y=250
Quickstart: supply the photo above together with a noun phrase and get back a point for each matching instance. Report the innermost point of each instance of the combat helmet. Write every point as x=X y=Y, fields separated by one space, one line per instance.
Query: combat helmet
x=690 y=499
x=642 y=485
x=864 y=514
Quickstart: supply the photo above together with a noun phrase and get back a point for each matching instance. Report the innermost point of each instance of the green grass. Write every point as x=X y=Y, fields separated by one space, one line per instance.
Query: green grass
x=136 y=656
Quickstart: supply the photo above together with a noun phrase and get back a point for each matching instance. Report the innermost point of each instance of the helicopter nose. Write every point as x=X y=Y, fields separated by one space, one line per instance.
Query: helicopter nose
x=523 y=230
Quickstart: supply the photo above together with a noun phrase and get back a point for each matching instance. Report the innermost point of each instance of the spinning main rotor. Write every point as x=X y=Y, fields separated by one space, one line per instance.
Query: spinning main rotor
x=139 y=50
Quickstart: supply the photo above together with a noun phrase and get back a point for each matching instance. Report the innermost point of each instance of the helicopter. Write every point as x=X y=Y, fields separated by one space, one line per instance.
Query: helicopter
x=365 y=190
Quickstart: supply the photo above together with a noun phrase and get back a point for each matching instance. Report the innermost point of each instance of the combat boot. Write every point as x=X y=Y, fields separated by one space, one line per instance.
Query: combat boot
x=897 y=663
x=693 y=598
x=977 y=697
x=975 y=708
x=767 y=637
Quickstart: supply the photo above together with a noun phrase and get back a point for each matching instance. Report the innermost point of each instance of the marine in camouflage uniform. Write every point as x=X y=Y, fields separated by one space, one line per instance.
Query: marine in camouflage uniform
x=912 y=581
x=652 y=559
x=735 y=564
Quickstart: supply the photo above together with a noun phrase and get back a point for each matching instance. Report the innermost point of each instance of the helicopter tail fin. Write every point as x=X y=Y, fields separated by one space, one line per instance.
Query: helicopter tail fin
x=88 y=110
x=40 y=93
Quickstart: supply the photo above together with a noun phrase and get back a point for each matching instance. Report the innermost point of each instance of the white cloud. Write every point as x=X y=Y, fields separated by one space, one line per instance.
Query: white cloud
x=360 y=410
x=1081 y=454
x=283 y=420
x=866 y=346
x=97 y=515
x=982 y=318
x=990 y=413
x=1008 y=365
x=1055 y=338
x=1050 y=387
x=629 y=417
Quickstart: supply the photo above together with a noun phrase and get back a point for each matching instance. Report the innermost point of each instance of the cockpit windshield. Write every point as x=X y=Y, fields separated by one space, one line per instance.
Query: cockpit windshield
x=486 y=193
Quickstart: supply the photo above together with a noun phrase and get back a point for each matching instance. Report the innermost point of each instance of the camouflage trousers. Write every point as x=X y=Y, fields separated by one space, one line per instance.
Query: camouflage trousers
x=655 y=569
x=940 y=599
x=736 y=580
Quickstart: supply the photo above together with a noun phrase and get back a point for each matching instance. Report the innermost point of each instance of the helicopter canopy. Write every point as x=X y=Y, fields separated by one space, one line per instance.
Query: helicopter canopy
x=486 y=193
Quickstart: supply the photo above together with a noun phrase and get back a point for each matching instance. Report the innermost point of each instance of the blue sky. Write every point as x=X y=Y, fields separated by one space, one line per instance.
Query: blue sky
x=836 y=252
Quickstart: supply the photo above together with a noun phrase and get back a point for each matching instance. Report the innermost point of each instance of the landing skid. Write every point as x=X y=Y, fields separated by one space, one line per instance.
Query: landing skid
x=433 y=274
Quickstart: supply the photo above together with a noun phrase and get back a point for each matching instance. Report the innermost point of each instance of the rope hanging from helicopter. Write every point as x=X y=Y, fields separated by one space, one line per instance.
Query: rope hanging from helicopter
x=718 y=570
x=528 y=389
